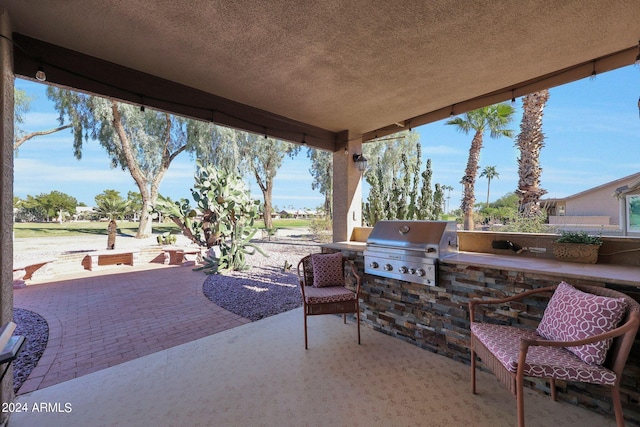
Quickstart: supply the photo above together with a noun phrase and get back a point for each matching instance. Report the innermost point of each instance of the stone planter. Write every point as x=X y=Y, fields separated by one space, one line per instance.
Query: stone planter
x=576 y=252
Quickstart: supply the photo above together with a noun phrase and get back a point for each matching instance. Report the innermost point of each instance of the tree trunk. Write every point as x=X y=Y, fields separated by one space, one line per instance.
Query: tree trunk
x=266 y=214
x=148 y=190
x=488 y=190
x=267 y=189
x=328 y=209
x=145 y=228
x=530 y=142
x=469 y=180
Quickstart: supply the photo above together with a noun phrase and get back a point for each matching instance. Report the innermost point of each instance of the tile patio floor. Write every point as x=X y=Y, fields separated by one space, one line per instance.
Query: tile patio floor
x=98 y=319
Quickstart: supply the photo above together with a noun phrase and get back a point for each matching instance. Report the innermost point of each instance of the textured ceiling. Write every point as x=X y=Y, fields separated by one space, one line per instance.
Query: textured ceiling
x=352 y=65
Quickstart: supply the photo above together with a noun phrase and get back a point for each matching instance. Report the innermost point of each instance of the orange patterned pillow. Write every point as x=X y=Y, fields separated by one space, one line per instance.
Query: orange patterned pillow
x=327 y=270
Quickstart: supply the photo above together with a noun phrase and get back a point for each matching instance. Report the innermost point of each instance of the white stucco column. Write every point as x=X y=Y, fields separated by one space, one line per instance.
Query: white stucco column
x=6 y=188
x=347 y=188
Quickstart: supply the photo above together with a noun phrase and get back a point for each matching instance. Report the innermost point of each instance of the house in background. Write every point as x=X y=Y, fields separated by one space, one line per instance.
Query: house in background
x=298 y=213
x=600 y=209
x=629 y=199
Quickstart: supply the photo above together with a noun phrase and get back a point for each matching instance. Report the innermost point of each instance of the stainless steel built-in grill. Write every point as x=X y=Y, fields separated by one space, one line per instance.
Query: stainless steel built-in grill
x=409 y=250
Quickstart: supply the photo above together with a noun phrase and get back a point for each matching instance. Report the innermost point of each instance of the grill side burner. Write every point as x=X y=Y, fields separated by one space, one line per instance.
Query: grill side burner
x=409 y=250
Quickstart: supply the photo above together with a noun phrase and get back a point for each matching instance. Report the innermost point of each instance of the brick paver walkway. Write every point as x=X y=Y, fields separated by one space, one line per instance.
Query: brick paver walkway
x=102 y=318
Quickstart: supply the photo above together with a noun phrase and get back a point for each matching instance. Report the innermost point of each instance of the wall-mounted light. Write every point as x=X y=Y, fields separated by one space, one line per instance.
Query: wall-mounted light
x=41 y=76
x=360 y=161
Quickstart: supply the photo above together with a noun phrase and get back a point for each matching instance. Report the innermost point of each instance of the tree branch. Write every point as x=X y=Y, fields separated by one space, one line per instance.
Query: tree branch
x=31 y=135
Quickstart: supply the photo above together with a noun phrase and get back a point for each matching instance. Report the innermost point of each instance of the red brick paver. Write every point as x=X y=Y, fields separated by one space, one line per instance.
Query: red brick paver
x=102 y=318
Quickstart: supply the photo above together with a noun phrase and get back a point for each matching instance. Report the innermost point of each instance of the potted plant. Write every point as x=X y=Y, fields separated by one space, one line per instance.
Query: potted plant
x=577 y=246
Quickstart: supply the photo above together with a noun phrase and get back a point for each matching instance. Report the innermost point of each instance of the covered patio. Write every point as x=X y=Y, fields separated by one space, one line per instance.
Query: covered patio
x=331 y=75
x=260 y=374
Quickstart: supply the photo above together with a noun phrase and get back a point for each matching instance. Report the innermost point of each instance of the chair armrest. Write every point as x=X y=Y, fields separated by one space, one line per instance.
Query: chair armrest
x=301 y=283
x=301 y=276
x=620 y=330
x=355 y=274
x=474 y=302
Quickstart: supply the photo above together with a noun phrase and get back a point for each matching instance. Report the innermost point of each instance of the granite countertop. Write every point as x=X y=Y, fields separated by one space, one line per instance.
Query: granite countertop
x=346 y=246
x=619 y=274
x=610 y=273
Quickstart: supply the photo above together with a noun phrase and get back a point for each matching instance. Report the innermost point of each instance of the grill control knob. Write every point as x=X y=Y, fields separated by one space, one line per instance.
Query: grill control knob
x=373 y=264
x=403 y=269
x=388 y=267
x=420 y=272
x=412 y=271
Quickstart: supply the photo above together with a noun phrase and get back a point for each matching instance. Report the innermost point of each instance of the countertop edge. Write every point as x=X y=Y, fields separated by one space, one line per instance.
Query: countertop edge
x=618 y=274
x=609 y=273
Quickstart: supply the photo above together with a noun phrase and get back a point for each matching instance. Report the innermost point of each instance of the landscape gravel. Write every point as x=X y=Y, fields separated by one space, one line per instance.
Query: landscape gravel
x=265 y=289
x=36 y=331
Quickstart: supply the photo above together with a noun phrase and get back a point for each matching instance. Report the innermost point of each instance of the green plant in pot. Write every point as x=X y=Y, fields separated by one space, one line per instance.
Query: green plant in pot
x=577 y=246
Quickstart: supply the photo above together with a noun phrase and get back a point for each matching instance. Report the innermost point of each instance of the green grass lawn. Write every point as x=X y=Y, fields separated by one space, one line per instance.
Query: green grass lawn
x=287 y=223
x=80 y=228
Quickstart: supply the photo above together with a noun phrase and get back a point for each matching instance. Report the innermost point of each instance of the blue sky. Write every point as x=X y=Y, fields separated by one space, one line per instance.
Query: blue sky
x=592 y=130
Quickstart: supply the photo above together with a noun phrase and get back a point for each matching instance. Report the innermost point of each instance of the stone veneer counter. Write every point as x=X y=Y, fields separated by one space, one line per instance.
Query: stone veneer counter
x=436 y=318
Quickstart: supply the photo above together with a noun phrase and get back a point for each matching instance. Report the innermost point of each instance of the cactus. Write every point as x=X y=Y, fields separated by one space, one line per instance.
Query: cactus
x=224 y=216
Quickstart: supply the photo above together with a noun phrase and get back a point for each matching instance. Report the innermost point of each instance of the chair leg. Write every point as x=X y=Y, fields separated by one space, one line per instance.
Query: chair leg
x=552 y=386
x=358 y=323
x=617 y=406
x=520 y=399
x=473 y=370
x=344 y=318
x=306 y=347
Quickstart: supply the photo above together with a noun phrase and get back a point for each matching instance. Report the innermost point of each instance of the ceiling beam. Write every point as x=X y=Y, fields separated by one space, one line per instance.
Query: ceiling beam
x=89 y=74
x=580 y=71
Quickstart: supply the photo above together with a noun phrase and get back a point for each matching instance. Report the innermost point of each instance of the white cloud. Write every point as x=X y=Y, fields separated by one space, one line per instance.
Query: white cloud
x=40 y=121
x=181 y=171
x=36 y=176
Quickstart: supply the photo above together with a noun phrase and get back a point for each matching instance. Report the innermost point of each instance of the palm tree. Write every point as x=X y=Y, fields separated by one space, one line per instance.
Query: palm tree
x=109 y=204
x=530 y=142
x=495 y=119
x=448 y=189
x=489 y=172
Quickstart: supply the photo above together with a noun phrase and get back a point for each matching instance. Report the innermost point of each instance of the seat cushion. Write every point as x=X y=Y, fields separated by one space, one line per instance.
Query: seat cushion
x=328 y=294
x=542 y=362
x=327 y=270
x=573 y=315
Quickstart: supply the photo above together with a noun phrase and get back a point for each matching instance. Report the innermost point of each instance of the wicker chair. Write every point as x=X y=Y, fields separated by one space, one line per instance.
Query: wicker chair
x=329 y=299
x=504 y=350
